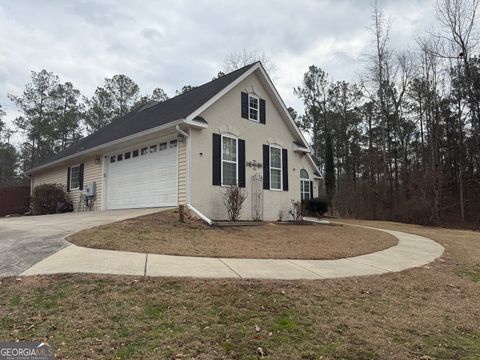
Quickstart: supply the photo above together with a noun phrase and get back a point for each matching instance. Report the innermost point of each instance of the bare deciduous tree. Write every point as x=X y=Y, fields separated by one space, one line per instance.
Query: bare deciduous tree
x=245 y=57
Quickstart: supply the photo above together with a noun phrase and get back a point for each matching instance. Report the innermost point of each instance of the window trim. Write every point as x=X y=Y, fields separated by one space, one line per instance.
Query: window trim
x=71 y=177
x=302 y=185
x=304 y=195
x=258 y=108
x=275 y=168
x=229 y=161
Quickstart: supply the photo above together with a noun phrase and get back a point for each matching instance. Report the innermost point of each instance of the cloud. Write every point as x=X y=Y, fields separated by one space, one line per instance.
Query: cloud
x=171 y=44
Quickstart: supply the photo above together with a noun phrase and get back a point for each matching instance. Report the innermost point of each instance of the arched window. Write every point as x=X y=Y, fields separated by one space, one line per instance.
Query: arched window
x=304 y=174
x=305 y=185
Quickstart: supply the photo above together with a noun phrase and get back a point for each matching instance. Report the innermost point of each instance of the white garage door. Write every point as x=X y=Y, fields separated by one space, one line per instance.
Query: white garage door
x=143 y=177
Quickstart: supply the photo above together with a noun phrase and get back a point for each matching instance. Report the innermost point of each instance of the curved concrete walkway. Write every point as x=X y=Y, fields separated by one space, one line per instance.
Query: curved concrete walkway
x=411 y=251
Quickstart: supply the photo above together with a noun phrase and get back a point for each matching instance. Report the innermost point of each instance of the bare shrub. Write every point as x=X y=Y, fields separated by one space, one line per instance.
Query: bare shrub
x=233 y=198
x=296 y=211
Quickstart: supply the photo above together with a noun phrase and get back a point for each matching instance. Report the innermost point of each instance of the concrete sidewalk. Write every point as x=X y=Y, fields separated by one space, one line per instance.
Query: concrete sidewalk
x=411 y=251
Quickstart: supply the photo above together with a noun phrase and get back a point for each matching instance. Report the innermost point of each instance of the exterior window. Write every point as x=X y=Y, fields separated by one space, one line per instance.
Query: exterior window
x=229 y=161
x=127 y=155
x=253 y=107
x=275 y=168
x=120 y=157
x=74 y=177
x=112 y=159
x=173 y=143
x=135 y=153
x=153 y=148
x=162 y=146
x=304 y=185
x=144 y=151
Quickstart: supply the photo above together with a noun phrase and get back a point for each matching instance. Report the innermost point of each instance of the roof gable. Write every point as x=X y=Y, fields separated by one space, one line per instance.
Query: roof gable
x=272 y=92
x=137 y=121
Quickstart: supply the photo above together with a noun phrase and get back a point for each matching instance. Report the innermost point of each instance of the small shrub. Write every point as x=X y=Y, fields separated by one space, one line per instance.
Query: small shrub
x=46 y=198
x=296 y=211
x=316 y=206
x=233 y=198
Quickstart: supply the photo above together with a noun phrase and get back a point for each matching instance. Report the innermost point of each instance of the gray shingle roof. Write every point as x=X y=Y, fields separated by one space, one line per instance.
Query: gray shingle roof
x=178 y=107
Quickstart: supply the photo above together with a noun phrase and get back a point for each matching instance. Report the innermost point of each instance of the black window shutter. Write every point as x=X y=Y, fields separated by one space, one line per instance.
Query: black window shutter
x=311 y=189
x=68 y=179
x=241 y=163
x=262 y=112
x=244 y=105
x=266 y=167
x=80 y=177
x=285 y=169
x=217 y=161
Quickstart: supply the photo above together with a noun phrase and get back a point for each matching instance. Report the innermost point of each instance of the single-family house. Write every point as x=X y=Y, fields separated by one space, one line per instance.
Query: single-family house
x=234 y=130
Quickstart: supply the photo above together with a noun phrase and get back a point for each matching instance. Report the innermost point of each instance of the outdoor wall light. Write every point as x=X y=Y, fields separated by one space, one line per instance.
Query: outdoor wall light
x=97 y=159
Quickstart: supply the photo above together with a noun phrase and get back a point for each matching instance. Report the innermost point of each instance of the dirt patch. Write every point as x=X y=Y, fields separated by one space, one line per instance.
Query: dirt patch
x=161 y=233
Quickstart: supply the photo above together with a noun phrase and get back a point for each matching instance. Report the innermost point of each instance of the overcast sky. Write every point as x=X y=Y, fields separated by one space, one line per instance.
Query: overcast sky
x=170 y=44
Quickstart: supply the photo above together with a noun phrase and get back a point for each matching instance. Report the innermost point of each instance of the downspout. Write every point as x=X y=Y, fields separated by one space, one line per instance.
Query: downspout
x=200 y=215
x=189 y=205
x=187 y=173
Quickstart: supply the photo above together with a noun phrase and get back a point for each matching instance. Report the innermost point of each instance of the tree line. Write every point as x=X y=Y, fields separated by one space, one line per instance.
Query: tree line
x=403 y=143
x=55 y=115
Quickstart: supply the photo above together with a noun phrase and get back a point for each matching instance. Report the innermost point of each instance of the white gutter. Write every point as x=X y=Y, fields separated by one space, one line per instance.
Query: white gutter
x=189 y=206
x=114 y=142
x=180 y=131
x=200 y=215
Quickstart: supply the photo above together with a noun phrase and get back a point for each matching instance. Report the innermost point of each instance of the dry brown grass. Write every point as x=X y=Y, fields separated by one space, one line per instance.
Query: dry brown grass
x=426 y=313
x=161 y=233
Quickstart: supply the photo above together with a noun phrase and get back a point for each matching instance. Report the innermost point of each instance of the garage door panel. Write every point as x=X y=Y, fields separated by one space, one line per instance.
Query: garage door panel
x=148 y=180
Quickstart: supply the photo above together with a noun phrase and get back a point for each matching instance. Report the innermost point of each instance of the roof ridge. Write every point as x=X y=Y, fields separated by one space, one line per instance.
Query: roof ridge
x=204 y=84
x=83 y=139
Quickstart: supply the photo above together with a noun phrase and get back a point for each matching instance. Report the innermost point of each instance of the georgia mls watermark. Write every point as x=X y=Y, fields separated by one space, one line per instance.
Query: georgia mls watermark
x=39 y=350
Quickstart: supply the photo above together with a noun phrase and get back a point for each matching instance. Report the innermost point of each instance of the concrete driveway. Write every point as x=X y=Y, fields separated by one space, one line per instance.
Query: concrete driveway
x=26 y=240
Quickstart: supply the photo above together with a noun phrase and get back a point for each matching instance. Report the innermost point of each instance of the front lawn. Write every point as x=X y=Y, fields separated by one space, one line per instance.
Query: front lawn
x=427 y=313
x=161 y=233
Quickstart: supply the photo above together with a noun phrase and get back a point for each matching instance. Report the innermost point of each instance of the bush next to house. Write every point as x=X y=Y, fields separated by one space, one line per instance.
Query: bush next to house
x=48 y=198
x=316 y=206
x=233 y=198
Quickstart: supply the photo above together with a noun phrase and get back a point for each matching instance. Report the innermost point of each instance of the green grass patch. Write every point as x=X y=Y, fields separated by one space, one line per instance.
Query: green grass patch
x=15 y=300
x=228 y=346
x=457 y=345
x=470 y=272
x=154 y=311
x=284 y=323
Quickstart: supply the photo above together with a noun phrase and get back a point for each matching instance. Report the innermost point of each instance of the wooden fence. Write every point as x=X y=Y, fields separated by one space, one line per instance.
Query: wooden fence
x=14 y=199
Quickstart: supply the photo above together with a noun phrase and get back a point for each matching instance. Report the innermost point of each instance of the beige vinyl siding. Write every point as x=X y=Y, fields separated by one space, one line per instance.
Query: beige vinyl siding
x=182 y=172
x=58 y=175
